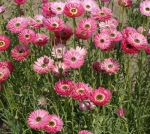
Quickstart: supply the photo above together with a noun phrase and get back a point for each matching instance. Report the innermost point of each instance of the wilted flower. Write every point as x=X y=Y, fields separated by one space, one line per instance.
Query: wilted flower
x=42 y=101
x=121 y=112
x=86 y=105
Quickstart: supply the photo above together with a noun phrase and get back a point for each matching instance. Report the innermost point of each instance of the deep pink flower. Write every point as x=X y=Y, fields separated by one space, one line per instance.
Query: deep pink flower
x=85 y=105
x=137 y=40
x=102 y=41
x=145 y=8
x=4 y=42
x=59 y=50
x=26 y=36
x=0 y=87
x=97 y=66
x=89 y=5
x=84 y=132
x=81 y=91
x=38 y=119
x=58 y=7
x=41 y=39
x=64 y=87
x=110 y=65
x=147 y=49
x=46 y=9
x=4 y=73
x=125 y=3
x=127 y=31
x=121 y=112
x=20 y=52
x=43 y=65
x=65 y=33
x=73 y=9
x=8 y=65
x=88 y=24
x=54 y=24
x=100 y=96
x=44 y=1
x=2 y=9
x=102 y=14
x=60 y=68
x=20 y=1
x=54 y=125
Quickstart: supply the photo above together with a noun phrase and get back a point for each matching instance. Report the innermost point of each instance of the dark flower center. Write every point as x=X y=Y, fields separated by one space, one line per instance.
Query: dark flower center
x=38 y=119
x=80 y=90
x=2 y=43
x=64 y=33
x=59 y=9
x=102 y=13
x=65 y=87
x=102 y=41
x=87 y=26
x=45 y=62
x=129 y=46
x=88 y=6
x=38 y=21
x=40 y=39
x=1 y=75
x=58 y=51
x=110 y=66
x=74 y=11
x=137 y=41
x=27 y=36
x=52 y=123
x=17 y=25
x=99 y=97
x=49 y=9
x=54 y=25
x=73 y=59
x=112 y=35
x=147 y=9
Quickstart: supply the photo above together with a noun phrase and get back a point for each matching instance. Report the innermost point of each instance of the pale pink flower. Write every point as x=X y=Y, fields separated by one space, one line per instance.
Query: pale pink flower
x=110 y=65
x=8 y=65
x=81 y=50
x=64 y=87
x=42 y=101
x=18 y=24
x=20 y=52
x=58 y=7
x=59 y=50
x=145 y=8
x=84 y=132
x=141 y=30
x=100 y=96
x=4 y=73
x=54 y=125
x=43 y=65
x=38 y=119
x=121 y=112
x=2 y=9
x=89 y=5
x=41 y=39
x=85 y=105
x=4 y=42
x=26 y=36
x=102 y=14
x=46 y=9
x=54 y=24
x=60 y=68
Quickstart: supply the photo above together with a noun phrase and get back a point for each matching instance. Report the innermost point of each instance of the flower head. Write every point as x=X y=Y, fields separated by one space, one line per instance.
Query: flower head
x=46 y=9
x=121 y=112
x=42 y=101
x=84 y=132
x=20 y=1
x=97 y=66
x=57 y=7
x=8 y=65
x=145 y=8
x=89 y=5
x=4 y=73
x=4 y=42
x=2 y=9
x=125 y=3
x=85 y=105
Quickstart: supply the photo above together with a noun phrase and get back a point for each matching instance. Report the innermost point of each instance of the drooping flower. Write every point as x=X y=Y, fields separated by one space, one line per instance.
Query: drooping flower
x=43 y=65
x=125 y=3
x=8 y=65
x=54 y=125
x=38 y=119
x=145 y=8
x=81 y=91
x=73 y=9
x=26 y=36
x=65 y=33
x=46 y=9
x=42 y=101
x=57 y=7
x=85 y=105
x=4 y=42
x=102 y=41
x=4 y=73
x=84 y=132
x=102 y=14
x=18 y=24
x=59 y=50
x=100 y=96
x=89 y=5
x=60 y=68
x=20 y=1
x=110 y=65
x=97 y=66
x=2 y=9
x=54 y=24
x=121 y=112
x=20 y=52
x=64 y=87
x=40 y=39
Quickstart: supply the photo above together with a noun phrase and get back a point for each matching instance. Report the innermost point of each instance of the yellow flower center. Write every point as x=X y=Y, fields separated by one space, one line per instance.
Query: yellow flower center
x=74 y=11
x=2 y=43
x=52 y=123
x=100 y=97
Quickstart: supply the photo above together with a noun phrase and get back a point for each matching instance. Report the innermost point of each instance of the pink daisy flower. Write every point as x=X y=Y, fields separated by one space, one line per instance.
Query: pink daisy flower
x=54 y=24
x=20 y=52
x=97 y=66
x=102 y=14
x=100 y=96
x=18 y=24
x=59 y=50
x=73 y=59
x=111 y=66
x=26 y=36
x=4 y=73
x=43 y=65
x=64 y=87
x=89 y=5
x=73 y=9
x=80 y=50
x=145 y=8
x=86 y=105
x=82 y=34
x=37 y=21
x=102 y=41
x=141 y=30
x=58 y=7
x=2 y=9
x=8 y=65
x=84 y=132
x=65 y=33
x=41 y=39
x=128 y=48
x=81 y=91
x=88 y=24
x=38 y=119
x=106 y=26
x=127 y=31
x=54 y=125
x=20 y=1
x=60 y=68
x=46 y=9
x=4 y=42
x=137 y=40
x=125 y=3
x=121 y=112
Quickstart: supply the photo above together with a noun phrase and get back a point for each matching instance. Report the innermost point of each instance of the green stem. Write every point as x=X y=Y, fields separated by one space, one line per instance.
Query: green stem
x=74 y=28
x=31 y=8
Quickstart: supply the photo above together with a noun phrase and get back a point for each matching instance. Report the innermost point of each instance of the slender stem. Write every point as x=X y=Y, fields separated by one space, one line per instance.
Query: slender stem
x=74 y=28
